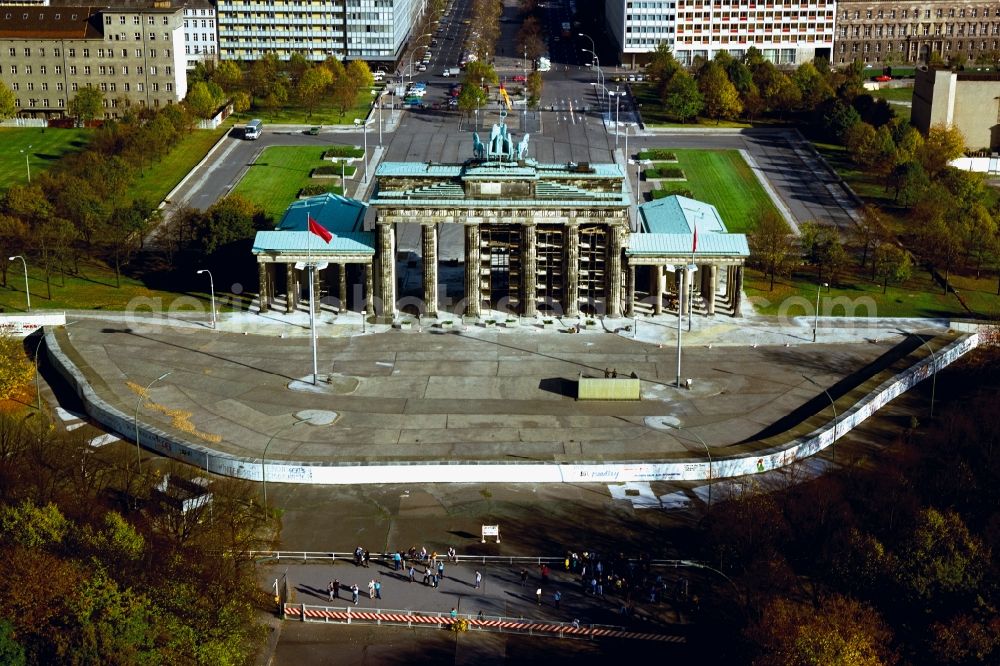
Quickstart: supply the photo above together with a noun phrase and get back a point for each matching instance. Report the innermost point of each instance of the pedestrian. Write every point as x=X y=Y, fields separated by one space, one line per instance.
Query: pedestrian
x=355 y=593
x=593 y=586
x=524 y=577
x=427 y=575
x=367 y=557
x=600 y=589
x=452 y=555
x=538 y=596
x=454 y=613
x=358 y=553
x=378 y=589
x=423 y=553
x=545 y=573
x=556 y=597
x=329 y=589
x=371 y=589
x=336 y=588
x=397 y=561
x=575 y=623
x=479 y=579
x=441 y=569
x=412 y=573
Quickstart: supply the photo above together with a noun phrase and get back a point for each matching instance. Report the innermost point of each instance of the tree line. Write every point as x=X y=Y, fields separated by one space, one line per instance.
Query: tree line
x=103 y=567
x=890 y=558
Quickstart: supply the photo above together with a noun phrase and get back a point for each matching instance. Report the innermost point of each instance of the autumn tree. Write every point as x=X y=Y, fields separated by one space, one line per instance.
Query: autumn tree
x=7 y=102
x=720 y=97
x=312 y=86
x=942 y=145
x=360 y=74
x=869 y=232
x=813 y=86
x=892 y=264
x=228 y=76
x=772 y=245
x=15 y=368
x=681 y=98
x=86 y=105
x=835 y=629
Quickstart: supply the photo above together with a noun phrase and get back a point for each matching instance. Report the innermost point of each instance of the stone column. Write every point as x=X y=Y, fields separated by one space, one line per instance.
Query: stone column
x=738 y=293
x=614 y=270
x=630 y=291
x=571 y=271
x=683 y=282
x=473 y=256
x=291 y=285
x=729 y=285
x=387 y=270
x=265 y=301
x=369 y=289
x=429 y=237
x=342 y=286
x=713 y=287
x=529 y=269
x=657 y=290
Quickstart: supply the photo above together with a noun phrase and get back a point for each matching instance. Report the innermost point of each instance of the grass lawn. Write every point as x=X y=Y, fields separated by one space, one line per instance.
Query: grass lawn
x=323 y=114
x=856 y=295
x=723 y=179
x=154 y=182
x=980 y=295
x=93 y=289
x=43 y=147
x=280 y=172
x=865 y=185
x=894 y=94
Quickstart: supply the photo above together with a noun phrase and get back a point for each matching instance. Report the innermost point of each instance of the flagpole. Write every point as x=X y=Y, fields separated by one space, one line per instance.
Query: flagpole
x=312 y=295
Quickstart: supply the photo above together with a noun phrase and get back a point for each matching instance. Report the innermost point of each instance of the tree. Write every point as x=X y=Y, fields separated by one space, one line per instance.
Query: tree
x=202 y=99
x=786 y=96
x=264 y=75
x=7 y=102
x=86 y=105
x=360 y=74
x=15 y=368
x=124 y=233
x=813 y=86
x=11 y=652
x=681 y=97
x=870 y=232
x=478 y=73
x=662 y=64
x=534 y=86
x=892 y=264
x=13 y=237
x=980 y=235
x=940 y=560
x=471 y=98
x=835 y=630
x=771 y=244
x=228 y=76
x=296 y=66
x=277 y=96
x=910 y=181
x=720 y=96
x=228 y=220
x=942 y=145
x=312 y=85
x=241 y=102
x=343 y=93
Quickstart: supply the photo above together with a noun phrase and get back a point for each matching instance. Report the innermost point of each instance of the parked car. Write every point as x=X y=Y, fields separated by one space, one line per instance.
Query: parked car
x=883 y=78
x=520 y=78
x=421 y=67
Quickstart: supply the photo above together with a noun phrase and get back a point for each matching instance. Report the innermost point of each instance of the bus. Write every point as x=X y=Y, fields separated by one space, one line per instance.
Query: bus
x=253 y=129
x=543 y=64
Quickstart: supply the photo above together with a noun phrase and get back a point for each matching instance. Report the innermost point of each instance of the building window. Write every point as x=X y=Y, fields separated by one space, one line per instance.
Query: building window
x=13 y=52
x=13 y=69
x=27 y=69
x=86 y=53
x=72 y=70
x=27 y=53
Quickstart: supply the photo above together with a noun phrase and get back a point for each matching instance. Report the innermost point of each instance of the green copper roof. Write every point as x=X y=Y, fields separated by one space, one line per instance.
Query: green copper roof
x=402 y=199
x=679 y=245
x=477 y=170
x=306 y=242
x=337 y=214
x=679 y=215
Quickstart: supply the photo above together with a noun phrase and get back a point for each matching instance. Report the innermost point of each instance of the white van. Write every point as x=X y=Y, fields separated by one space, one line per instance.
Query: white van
x=253 y=129
x=378 y=75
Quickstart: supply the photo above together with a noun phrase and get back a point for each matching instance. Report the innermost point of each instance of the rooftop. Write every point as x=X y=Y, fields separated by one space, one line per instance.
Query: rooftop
x=336 y=213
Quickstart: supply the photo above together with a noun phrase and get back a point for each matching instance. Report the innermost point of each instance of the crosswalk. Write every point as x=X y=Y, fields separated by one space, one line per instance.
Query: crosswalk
x=73 y=421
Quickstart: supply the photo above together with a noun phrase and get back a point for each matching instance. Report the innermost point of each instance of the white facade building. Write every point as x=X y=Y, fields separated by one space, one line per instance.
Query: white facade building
x=787 y=32
x=201 y=35
x=347 y=29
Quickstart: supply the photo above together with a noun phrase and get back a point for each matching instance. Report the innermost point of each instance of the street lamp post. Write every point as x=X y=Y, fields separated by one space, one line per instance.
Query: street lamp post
x=211 y=286
x=707 y=452
x=27 y=290
x=687 y=271
x=934 y=378
x=263 y=458
x=138 y=403
x=816 y=313
x=833 y=405
x=618 y=96
x=27 y=164
x=600 y=75
x=358 y=121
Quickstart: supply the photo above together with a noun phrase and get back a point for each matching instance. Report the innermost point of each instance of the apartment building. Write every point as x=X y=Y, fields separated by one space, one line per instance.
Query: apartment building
x=347 y=29
x=787 y=32
x=133 y=56
x=886 y=33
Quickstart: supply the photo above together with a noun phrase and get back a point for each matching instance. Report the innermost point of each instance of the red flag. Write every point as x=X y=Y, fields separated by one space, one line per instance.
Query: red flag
x=694 y=243
x=318 y=229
